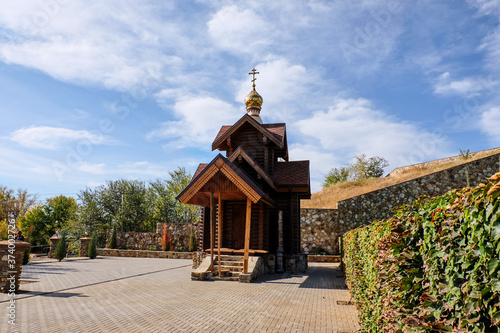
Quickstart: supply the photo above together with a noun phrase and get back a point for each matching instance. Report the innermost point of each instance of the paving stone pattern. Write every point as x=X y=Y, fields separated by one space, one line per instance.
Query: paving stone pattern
x=156 y=295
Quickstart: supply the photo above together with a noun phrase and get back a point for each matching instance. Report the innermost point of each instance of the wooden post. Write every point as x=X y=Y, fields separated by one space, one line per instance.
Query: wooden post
x=261 y=226
x=212 y=231
x=247 y=235
x=219 y=222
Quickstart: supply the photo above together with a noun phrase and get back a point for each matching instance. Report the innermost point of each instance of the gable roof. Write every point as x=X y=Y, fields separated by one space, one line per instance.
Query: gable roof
x=254 y=164
x=274 y=132
x=206 y=172
x=294 y=174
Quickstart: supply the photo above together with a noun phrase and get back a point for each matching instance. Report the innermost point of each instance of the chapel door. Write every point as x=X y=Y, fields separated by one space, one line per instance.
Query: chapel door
x=238 y=236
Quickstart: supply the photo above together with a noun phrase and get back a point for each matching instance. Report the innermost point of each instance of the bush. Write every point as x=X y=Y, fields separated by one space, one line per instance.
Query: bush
x=61 y=248
x=433 y=267
x=193 y=245
x=92 y=251
x=112 y=241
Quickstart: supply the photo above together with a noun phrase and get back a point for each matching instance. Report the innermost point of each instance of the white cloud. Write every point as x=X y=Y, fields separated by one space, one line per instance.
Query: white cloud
x=93 y=43
x=241 y=31
x=352 y=127
x=44 y=137
x=486 y=7
x=490 y=123
x=285 y=88
x=467 y=87
x=199 y=120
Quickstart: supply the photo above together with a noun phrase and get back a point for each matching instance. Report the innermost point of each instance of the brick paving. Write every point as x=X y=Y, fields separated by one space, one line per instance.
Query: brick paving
x=113 y=294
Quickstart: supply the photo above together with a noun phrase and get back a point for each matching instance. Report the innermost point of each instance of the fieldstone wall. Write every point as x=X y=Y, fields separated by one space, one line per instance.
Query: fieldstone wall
x=145 y=254
x=376 y=205
x=319 y=228
x=178 y=232
x=322 y=228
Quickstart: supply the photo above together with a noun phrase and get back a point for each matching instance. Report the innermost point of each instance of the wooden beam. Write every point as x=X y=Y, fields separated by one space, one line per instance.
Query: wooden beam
x=212 y=230
x=247 y=235
x=219 y=227
x=261 y=226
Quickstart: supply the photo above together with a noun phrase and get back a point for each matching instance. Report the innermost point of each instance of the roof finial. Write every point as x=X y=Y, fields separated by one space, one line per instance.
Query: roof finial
x=253 y=73
x=253 y=101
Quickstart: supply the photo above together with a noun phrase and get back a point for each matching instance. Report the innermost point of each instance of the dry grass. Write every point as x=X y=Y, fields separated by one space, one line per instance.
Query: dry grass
x=328 y=197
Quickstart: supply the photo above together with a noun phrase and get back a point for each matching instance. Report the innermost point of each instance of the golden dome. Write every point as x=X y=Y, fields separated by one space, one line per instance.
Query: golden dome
x=253 y=100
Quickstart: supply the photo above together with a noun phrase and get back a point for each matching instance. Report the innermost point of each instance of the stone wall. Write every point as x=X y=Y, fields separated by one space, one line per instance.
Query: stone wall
x=323 y=227
x=376 y=205
x=319 y=229
x=178 y=232
x=145 y=254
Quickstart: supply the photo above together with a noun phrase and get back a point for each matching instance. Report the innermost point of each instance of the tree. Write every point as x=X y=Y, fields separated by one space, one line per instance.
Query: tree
x=13 y=205
x=182 y=213
x=61 y=248
x=362 y=168
x=92 y=251
x=112 y=241
x=42 y=221
x=193 y=246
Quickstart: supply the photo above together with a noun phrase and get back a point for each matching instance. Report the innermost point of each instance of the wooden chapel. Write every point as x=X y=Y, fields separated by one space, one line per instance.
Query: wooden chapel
x=250 y=195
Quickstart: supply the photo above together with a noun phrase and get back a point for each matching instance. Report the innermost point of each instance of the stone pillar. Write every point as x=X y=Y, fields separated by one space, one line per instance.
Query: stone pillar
x=53 y=244
x=11 y=264
x=84 y=246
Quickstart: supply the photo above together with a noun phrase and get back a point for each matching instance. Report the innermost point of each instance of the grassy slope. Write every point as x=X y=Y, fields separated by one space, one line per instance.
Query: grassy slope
x=328 y=197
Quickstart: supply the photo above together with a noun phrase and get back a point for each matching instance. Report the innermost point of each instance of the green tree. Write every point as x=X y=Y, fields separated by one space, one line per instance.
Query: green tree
x=181 y=213
x=193 y=246
x=337 y=175
x=13 y=205
x=362 y=168
x=92 y=251
x=112 y=241
x=42 y=221
x=61 y=248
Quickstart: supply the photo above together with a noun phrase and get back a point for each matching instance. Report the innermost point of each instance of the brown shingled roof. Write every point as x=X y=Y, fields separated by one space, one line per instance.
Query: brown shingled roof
x=278 y=130
x=294 y=173
x=201 y=167
x=275 y=132
x=222 y=130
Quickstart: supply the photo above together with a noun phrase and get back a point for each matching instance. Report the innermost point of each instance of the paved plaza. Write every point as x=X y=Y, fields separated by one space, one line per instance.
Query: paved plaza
x=111 y=294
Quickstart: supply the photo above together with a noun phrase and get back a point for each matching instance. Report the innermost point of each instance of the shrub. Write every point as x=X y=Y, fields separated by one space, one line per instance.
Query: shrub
x=433 y=267
x=92 y=251
x=112 y=241
x=61 y=248
x=193 y=245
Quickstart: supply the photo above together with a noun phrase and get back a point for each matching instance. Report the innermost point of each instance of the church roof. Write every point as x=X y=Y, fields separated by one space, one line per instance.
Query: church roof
x=295 y=173
x=275 y=132
x=197 y=193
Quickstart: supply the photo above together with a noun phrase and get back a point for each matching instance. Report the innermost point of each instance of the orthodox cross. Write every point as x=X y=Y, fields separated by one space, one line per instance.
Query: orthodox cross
x=253 y=73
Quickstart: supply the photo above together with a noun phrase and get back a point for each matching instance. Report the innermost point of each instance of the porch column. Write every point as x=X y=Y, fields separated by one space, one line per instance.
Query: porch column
x=212 y=230
x=219 y=226
x=247 y=235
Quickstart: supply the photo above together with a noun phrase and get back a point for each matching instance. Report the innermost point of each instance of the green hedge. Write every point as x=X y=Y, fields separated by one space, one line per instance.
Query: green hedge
x=433 y=267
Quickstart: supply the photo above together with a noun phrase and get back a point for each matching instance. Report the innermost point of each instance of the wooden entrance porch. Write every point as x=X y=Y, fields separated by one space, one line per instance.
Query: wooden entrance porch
x=235 y=210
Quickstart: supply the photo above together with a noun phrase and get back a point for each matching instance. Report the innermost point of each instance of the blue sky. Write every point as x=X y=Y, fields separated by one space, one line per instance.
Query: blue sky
x=98 y=90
